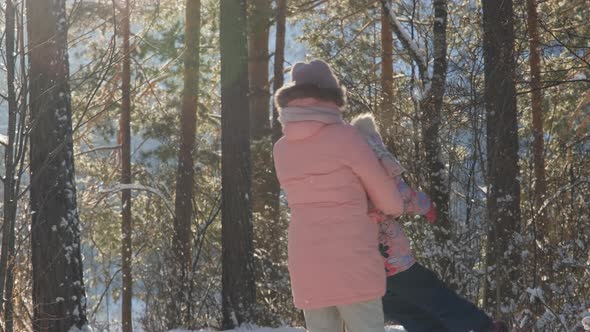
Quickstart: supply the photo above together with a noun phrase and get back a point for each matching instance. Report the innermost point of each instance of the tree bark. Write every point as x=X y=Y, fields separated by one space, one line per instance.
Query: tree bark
x=125 y=137
x=258 y=34
x=537 y=112
x=278 y=81
x=59 y=298
x=264 y=202
x=386 y=116
x=184 y=210
x=432 y=108
x=238 y=286
x=502 y=145
x=279 y=67
x=10 y=164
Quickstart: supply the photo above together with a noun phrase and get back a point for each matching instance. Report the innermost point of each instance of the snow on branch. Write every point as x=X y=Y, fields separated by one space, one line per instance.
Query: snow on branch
x=558 y=192
x=84 y=328
x=538 y=293
x=3 y=139
x=416 y=53
x=139 y=187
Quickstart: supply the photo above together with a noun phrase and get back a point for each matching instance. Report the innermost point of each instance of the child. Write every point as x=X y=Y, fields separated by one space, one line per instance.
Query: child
x=415 y=296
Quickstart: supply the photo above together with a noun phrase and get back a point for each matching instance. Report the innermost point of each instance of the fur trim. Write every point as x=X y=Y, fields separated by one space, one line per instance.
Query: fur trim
x=291 y=92
x=366 y=124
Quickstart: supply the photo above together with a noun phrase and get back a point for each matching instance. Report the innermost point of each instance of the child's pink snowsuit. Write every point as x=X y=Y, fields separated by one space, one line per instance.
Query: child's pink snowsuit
x=394 y=245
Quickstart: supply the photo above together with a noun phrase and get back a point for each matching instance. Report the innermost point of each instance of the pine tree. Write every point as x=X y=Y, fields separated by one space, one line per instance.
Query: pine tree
x=503 y=203
x=59 y=298
x=13 y=156
x=386 y=114
x=238 y=287
x=125 y=142
x=184 y=210
x=537 y=112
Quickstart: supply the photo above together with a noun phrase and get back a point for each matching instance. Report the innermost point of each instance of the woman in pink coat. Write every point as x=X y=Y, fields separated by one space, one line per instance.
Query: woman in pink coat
x=327 y=170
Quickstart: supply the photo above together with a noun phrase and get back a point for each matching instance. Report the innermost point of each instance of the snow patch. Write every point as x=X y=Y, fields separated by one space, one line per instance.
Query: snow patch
x=281 y=329
x=84 y=328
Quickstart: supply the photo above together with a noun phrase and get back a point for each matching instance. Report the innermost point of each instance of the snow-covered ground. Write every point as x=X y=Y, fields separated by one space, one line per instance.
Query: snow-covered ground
x=283 y=329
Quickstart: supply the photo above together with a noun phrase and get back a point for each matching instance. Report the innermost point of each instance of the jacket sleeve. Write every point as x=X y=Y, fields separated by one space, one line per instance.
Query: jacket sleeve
x=381 y=189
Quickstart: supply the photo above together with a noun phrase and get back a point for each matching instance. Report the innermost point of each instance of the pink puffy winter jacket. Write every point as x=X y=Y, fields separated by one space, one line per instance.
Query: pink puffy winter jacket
x=327 y=171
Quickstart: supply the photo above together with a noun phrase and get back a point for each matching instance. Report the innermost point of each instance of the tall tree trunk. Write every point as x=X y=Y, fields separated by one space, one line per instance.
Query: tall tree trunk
x=9 y=147
x=238 y=286
x=259 y=97
x=502 y=145
x=185 y=175
x=278 y=69
x=431 y=120
x=537 y=111
x=125 y=142
x=260 y=12
x=59 y=298
x=386 y=114
x=278 y=81
x=265 y=186
x=10 y=199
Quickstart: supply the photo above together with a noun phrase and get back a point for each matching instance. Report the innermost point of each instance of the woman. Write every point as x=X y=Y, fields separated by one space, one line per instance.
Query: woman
x=327 y=170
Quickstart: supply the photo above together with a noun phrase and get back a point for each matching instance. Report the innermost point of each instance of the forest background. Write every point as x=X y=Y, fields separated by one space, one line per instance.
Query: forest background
x=175 y=211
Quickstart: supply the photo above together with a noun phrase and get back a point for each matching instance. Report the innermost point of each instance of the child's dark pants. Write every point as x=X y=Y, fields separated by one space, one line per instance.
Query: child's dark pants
x=421 y=302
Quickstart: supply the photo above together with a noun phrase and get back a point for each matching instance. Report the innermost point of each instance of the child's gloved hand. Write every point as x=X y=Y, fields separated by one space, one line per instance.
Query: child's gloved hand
x=431 y=214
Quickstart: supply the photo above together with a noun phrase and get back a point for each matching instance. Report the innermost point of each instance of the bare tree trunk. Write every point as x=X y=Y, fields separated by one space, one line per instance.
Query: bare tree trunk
x=185 y=175
x=10 y=164
x=279 y=67
x=537 y=110
x=263 y=204
x=8 y=157
x=238 y=286
x=265 y=188
x=502 y=145
x=258 y=33
x=386 y=116
x=541 y=227
x=59 y=298
x=432 y=118
x=125 y=137
x=278 y=81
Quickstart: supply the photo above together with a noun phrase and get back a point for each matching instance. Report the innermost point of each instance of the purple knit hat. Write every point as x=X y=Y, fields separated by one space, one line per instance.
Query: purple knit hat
x=311 y=80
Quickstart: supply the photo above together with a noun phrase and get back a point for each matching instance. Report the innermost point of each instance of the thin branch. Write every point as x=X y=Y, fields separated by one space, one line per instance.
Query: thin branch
x=139 y=187
x=106 y=290
x=100 y=148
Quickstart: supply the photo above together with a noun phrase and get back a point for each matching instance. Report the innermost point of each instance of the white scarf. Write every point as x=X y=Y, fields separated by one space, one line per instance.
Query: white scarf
x=309 y=113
